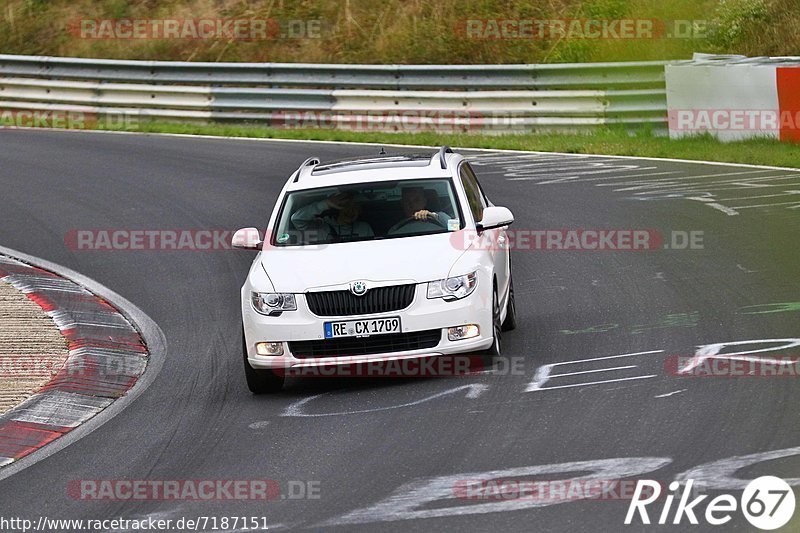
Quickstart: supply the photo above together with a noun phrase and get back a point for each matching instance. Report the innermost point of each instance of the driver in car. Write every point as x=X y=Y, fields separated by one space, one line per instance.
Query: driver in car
x=343 y=225
x=417 y=217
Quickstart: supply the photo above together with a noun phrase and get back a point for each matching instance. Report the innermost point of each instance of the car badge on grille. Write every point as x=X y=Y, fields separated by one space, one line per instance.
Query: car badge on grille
x=358 y=288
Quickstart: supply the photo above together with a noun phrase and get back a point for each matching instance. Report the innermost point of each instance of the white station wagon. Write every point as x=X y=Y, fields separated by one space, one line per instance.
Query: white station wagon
x=375 y=259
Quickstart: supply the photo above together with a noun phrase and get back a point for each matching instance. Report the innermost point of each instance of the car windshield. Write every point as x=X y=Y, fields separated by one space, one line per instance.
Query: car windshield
x=368 y=211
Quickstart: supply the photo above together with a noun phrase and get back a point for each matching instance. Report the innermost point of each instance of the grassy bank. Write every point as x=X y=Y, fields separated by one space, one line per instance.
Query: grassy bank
x=404 y=31
x=609 y=142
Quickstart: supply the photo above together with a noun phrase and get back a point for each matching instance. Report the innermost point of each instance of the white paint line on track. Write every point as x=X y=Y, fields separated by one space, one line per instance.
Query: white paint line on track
x=795 y=204
x=586 y=384
x=632 y=354
x=543 y=373
x=727 y=210
x=592 y=371
x=296 y=409
x=784 y=193
x=720 y=185
x=636 y=176
x=712 y=351
x=667 y=395
x=549 y=179
x=655 y=183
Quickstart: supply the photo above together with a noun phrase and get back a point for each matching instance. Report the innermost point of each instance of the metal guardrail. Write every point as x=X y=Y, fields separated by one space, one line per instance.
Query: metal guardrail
x=497 y=98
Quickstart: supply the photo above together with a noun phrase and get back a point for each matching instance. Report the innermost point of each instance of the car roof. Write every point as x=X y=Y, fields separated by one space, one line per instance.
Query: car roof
x=383 y=167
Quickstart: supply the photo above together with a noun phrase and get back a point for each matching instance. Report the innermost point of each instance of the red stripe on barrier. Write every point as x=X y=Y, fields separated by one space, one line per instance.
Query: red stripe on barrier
x=788 y=80
x=94 y=379
x=41 y=301
x=18 y=439
x=51 y=302
x=132 y=344
x=93 y=387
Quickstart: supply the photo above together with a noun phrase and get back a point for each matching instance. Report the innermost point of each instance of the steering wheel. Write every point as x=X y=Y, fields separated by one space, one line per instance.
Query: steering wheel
x=408 y=220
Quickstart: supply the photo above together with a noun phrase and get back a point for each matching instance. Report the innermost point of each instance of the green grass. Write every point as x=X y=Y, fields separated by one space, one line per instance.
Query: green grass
x=605 y=141
x=403 y=31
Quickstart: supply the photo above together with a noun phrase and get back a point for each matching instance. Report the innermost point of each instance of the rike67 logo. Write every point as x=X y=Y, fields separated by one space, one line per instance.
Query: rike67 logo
x=767 y=503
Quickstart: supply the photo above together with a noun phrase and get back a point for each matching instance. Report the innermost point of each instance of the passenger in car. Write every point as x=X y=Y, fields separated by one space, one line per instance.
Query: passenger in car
x=344 y=225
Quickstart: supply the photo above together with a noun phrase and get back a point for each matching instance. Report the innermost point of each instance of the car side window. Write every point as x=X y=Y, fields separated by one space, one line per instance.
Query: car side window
x=473 y=191
x=485 y=198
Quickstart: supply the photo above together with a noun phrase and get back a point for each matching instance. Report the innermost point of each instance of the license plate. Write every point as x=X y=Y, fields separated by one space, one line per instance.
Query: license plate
x=362 y=328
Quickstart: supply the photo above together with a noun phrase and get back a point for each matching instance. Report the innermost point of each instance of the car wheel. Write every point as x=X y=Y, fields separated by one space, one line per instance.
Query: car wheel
x=260 y=381
x=495 y=349
x=511 y=309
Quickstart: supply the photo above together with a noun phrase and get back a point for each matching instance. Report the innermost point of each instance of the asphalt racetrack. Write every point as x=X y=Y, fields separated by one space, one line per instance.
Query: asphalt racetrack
x=385 y=454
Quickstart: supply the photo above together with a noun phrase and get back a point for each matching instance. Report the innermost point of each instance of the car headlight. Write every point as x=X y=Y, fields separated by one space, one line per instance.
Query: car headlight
x=453 y=288
x=273 y=303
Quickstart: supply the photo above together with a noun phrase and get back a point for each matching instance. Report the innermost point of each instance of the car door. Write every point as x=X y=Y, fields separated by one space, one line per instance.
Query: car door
x=498 y=249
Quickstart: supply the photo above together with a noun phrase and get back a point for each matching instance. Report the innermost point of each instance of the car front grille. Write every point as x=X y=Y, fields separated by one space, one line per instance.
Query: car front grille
x=375 y=344
x=376 y=300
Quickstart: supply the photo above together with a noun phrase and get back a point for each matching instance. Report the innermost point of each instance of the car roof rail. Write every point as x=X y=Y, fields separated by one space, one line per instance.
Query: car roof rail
x=307 y=164
x=442 y=155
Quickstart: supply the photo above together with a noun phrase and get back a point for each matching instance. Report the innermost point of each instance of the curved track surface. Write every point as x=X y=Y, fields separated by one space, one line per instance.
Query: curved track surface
x=198 y=421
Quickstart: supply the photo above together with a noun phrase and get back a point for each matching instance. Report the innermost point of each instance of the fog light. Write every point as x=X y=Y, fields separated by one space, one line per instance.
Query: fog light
x=458 y=333
x=269 y=348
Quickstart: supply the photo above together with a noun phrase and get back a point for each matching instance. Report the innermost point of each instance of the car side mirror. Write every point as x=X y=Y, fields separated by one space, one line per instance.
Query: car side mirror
x=495 y=217
x=247 y=239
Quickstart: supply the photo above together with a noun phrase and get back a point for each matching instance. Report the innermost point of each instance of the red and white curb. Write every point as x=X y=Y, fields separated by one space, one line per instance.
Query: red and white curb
x=107 y=356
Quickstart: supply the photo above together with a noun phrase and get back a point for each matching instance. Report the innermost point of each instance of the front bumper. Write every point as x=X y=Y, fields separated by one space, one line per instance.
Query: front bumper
x=423 y=314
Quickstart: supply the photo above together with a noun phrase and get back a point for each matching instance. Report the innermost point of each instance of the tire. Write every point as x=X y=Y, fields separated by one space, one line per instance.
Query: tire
x=260 y=381
x=511 y=309
x=497 y=328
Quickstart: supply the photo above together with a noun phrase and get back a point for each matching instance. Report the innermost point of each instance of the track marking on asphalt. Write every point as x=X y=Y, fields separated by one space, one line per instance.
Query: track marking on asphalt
x=719 y=207
x=764 y=309
x=759 y=196
x=413 y=500
x=719 y=475
x=667 y=395
x=581 y=372
x=712 y=351
x=473 y=391
x=634 y=176
x=552 y=170
x=795 y=204
x=549 y=178
x=678 y=181
x=544 y=373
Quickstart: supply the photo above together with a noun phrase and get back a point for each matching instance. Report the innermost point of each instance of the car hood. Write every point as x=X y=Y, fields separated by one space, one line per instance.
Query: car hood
x=408 y=259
